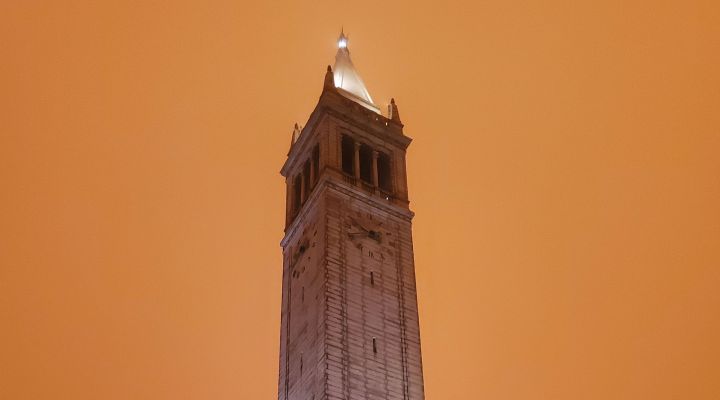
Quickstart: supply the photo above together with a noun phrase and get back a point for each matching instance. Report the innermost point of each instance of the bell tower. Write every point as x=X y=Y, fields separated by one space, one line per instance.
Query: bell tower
x=349 y=326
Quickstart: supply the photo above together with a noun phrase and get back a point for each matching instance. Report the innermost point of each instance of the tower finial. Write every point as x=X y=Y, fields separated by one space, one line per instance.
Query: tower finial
x=343 y=39
x=347 y=80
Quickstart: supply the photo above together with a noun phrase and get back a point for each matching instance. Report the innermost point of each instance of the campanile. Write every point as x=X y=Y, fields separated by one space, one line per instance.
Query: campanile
x=349 y=327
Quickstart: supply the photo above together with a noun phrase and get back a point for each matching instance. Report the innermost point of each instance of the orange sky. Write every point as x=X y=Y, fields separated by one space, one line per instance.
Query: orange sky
x=565 y=172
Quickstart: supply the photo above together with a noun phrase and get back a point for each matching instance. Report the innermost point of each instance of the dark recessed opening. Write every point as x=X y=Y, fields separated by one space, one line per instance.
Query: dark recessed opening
x=374 y=345
x=372 y=278
x=297 y=192
x=308 y=184
x=316 y=163
x=366 y=164
x=348 y=155
x=384 y=172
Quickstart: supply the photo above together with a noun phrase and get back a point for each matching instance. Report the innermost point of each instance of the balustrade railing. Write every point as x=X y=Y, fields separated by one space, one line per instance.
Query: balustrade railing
x=368 y=187
x=385 y=194
x=350 y=179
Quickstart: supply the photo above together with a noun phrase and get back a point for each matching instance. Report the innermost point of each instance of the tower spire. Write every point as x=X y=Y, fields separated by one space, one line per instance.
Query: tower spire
x=347 y=78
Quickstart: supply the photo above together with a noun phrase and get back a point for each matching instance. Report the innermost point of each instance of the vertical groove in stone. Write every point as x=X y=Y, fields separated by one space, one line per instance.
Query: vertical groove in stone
x=326 y=270
x=343 y=307
x=401 y=310
x=287 y=330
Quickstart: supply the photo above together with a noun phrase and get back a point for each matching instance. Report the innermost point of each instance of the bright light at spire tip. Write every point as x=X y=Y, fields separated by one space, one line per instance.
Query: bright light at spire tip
x=342 y=43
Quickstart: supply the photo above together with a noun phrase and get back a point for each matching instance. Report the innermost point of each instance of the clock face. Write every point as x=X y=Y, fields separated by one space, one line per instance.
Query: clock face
x=361 y=227
x=372 y=245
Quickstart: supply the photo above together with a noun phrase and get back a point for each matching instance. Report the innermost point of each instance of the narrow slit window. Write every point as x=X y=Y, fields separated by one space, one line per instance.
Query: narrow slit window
x=302 y=296
x=372 y=278
x=374 y=345
x=301 y=363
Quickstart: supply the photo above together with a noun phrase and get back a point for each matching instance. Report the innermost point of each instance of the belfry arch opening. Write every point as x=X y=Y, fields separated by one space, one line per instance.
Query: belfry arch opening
x=384 y=168
x=316 y=164
x=372 y=166
x=308 y=182
x=366 y=164
x=297 y=193
x=348 y=155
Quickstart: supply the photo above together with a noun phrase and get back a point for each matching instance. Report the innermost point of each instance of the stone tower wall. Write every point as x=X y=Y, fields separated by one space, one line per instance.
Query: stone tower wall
x=349 y=326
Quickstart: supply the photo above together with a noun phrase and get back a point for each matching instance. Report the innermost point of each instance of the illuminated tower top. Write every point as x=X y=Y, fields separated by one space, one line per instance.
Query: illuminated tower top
x=347 y=78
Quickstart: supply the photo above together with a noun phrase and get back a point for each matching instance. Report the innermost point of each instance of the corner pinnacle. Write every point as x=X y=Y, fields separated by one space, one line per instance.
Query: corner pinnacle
x=393 y=113
x=329 y=79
